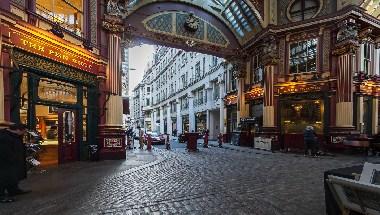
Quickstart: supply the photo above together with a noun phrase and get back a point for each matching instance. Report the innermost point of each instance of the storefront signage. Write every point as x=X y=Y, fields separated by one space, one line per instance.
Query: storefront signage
x=299 y=89
x=39 y=46
x=113 y=143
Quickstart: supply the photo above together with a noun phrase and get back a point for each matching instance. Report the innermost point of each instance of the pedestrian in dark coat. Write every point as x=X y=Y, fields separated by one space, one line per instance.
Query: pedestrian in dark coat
x=12 y=161
x=310 y=139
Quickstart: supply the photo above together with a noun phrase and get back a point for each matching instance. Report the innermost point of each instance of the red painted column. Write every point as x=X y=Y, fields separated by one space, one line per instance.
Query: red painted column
x=345 y=50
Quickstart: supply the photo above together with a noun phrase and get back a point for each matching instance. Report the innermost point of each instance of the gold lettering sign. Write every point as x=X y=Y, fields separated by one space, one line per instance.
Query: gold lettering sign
x=299 y=89
x=49 y=50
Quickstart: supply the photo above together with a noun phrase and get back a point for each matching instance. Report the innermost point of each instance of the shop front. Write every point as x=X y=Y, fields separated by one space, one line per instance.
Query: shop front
x=300 y=109
x=185 y=123
x=200 y=122
x=54 y=91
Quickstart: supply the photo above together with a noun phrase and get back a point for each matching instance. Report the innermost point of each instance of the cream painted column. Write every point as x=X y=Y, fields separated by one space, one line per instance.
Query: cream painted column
x=162 y=124
x=154 y=121
x=179 y=117
x=222 y=114
x=270 y=14
x=114 y=111
x=360 y=113
x=344 y=94
x=268 y=113
x=191 y=112
x=377 y=61
x=375 y=115
x=169 y=120
x=114 y=116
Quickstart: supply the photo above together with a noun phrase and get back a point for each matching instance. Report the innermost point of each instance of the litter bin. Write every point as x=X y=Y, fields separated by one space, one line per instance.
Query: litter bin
x=192 y=141
x=93 y=152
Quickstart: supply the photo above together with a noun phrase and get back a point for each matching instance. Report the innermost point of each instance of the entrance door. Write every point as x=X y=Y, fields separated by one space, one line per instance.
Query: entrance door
x=67 y=143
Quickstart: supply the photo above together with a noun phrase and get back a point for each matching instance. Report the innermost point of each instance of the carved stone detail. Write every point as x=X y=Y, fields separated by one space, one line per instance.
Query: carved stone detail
x=348 y=30
x=93 y=21
x=347 y=38
x=48 y=67
x=270 y=51
x=326 y=50
x=113 y=21
x=281 y=51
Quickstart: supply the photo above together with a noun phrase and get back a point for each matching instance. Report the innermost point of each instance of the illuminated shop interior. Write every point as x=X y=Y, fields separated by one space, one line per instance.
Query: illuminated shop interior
x=67 y=13
x=296 y=115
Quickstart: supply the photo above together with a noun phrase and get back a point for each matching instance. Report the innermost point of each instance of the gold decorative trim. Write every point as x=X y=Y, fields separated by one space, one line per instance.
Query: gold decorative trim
x=53 y=68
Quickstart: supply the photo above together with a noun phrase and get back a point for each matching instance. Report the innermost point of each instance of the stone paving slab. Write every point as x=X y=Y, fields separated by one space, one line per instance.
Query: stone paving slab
x=211 y=181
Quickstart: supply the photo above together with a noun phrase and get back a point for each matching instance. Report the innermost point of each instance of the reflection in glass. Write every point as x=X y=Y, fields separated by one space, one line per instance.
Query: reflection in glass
x=296 y=115
x=303 y=56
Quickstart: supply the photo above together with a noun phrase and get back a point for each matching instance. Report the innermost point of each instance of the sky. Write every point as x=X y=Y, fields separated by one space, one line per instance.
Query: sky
x=139 y=57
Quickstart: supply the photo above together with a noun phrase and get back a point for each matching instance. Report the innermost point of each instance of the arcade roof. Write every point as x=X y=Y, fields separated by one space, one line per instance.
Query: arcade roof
x=243 y=17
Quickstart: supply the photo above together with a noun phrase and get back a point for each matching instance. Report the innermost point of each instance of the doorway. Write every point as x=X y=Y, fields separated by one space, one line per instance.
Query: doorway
x=57 y=127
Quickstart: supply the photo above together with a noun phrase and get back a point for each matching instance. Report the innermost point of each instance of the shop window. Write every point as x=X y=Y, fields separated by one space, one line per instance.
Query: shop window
x=303 y=56
x=296 y=115
x=257 y=70
x=57 y=91
x=67 y=13
x=303 y=9
x=198 y=70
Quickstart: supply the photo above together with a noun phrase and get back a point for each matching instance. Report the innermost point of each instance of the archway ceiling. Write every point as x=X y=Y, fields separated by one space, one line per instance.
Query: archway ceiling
x=242 y=17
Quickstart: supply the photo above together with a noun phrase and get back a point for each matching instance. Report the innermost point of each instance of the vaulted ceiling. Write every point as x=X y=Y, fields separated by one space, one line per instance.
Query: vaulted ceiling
x=243 y=17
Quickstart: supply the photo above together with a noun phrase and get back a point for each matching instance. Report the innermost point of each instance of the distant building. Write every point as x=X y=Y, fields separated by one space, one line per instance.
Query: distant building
x=183 y=91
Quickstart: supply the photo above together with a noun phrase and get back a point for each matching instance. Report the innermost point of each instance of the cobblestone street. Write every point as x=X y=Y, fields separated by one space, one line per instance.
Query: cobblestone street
x=211 y=181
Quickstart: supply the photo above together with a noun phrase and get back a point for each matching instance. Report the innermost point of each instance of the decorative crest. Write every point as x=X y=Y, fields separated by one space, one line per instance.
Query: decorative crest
x=113 y=21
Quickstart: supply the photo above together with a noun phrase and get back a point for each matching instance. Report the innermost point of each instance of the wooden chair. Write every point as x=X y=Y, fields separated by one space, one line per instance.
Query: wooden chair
x=355 y=196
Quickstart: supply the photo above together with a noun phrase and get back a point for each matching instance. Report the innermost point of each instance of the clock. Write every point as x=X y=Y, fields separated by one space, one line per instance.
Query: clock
x=192 y=23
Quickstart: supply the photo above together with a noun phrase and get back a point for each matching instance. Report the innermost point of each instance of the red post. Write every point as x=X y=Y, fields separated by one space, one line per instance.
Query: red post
x=149 y=144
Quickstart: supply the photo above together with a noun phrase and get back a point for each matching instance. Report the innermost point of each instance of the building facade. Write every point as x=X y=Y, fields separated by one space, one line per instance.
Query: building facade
x=183 y=92
x=59 y=78
x=293 y=63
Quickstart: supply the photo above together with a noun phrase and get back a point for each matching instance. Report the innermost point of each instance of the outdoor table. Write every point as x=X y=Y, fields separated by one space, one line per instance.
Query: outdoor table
x=332 y=207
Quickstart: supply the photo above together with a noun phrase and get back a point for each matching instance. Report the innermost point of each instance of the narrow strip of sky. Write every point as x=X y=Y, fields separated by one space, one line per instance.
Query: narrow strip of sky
x=139 y=57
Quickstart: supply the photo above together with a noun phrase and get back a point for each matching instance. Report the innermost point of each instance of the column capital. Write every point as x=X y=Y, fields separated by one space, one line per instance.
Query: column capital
x=347 y=39
x=270 y=51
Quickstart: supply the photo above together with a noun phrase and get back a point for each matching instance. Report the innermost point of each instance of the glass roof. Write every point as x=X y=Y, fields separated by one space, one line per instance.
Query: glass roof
x=236 y=13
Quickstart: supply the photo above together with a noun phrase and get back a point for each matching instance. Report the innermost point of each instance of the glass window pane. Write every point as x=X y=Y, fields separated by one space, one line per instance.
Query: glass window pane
x=302 y=65
x=312 y=64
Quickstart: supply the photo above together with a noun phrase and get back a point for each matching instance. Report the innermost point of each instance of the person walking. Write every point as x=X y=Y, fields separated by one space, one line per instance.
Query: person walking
x=12 y=162
x=141 y=138
x=310 y=140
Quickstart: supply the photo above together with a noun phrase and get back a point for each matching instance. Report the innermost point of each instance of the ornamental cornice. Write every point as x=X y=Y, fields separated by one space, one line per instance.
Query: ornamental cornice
x=346 y=47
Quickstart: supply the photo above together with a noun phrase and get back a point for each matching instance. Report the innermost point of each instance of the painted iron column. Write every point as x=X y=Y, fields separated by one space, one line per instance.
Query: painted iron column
x=345 y=49
x=270 y=59
x=222 y=110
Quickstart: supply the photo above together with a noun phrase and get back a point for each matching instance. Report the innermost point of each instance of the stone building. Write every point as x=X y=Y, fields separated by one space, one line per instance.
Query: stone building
x=183 y=91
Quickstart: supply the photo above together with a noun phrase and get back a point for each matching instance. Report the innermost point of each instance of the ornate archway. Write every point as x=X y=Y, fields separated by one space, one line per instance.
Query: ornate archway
x=214 y=27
